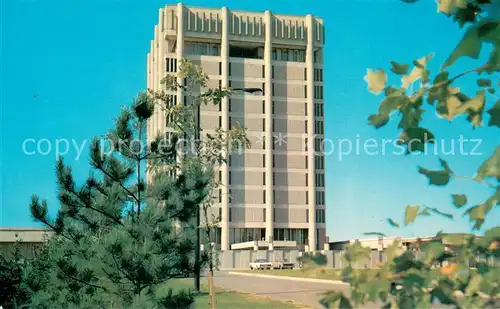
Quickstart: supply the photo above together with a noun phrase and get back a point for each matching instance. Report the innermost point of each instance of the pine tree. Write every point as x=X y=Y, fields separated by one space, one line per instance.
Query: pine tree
x=117 y=239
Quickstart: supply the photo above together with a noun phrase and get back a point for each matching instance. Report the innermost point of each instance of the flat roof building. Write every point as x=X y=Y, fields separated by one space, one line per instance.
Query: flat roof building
x=274 y=192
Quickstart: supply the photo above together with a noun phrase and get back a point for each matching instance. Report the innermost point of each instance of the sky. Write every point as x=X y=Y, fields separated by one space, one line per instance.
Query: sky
x=68 y=65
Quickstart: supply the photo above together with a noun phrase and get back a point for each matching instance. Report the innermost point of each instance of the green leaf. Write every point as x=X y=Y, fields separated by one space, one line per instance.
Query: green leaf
x=399 y=68
x=448 y=7
x=411 y=117
x=378 y=120
x=484 y=82
x=374 y=234
x=494 y=115
x=469 y=46
x=459 y=200
x=494 y=60
x=437 y=177
x=491 y=167
x=392 y=223
x=417 y=72
x=492 y=233
x=491 y=90
x=376 y=80
x=436 y=211
x=415 y=139
x=478 y=213
x=411 y=214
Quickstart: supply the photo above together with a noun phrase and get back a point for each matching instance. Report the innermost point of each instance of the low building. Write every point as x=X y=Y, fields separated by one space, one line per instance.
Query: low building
x=27 y=238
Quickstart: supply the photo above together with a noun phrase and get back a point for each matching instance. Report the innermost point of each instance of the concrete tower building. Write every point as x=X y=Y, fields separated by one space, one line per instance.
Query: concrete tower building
x=274 y=195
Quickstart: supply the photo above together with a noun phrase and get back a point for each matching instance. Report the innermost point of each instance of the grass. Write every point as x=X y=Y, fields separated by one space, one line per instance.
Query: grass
x=226 y=299
x=312 y=273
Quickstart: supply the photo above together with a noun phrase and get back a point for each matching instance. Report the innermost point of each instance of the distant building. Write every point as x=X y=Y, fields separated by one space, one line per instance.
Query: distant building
x=28 y=239
x=273 y=193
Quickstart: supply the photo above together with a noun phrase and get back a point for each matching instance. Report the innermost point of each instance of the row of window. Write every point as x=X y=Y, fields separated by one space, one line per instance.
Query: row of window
x=202 y=49
x=171 y=65
x=320 y=180
x=318 y=75
x=320 y=216
x=319 y=162
x=239 y=235
x=320 y=197
x=319 y=127
x=287 y=54
x=318 y=92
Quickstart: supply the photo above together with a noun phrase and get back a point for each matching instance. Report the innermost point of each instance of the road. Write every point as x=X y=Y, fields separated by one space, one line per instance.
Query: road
x=300 y=292
x=307 y=293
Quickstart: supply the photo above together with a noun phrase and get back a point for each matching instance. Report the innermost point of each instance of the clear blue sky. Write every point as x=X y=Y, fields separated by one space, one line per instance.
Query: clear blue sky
x=83 y=59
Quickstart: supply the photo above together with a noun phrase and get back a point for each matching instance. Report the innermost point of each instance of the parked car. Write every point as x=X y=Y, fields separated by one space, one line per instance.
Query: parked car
x=283 y=265
x=261 y=264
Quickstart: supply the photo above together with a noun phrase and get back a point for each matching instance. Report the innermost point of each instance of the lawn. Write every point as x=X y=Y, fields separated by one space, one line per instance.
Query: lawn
x=313 y=273
x=226 y=299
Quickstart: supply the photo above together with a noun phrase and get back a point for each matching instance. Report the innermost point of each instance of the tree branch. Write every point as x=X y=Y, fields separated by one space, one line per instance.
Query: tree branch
x=72 y=191
x=484 y=182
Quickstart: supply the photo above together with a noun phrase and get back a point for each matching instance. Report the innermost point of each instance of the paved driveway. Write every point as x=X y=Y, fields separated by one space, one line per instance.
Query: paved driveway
x=307 y=293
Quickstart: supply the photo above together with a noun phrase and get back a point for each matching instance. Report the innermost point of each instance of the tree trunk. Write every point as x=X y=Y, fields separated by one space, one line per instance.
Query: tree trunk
x=211 y=289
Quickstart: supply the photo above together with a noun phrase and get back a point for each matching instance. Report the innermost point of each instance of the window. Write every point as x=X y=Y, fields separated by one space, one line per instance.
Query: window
x=230 y=200
x=230 y=215
x=171 y=64
x=273 y=92
x=305 y=73
x=274 y=196
x=305 y=145
x=220 y=176
x=264 y=71
x=263 y=142
x=264 y=196
x=202 y=49
x=287 y=54
x=307 y=161
x=307 y=179
x=305 y=109
x=272 y=107
x=272 y=122
x=274 y=178
x=246 y=52
x=274 y=161
x=307 y=198
x=272 y=70
x=263 y=125
x=220 y=213
x=264 y=214
x=274 y=214
x=220 y=68
x=220 y=121
x=220 y=106
x=264 y=178
x=229 y=105
x=230 y=177
x=264 y=160
x=220 y=195
x=229 y=69
x=230 y=160
x=307 y=215
x=263 y=88
x=318 y=127
x=230 y=83
x=230 y=121
x=305 y=91
x=263 y=107
x=305 y=126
